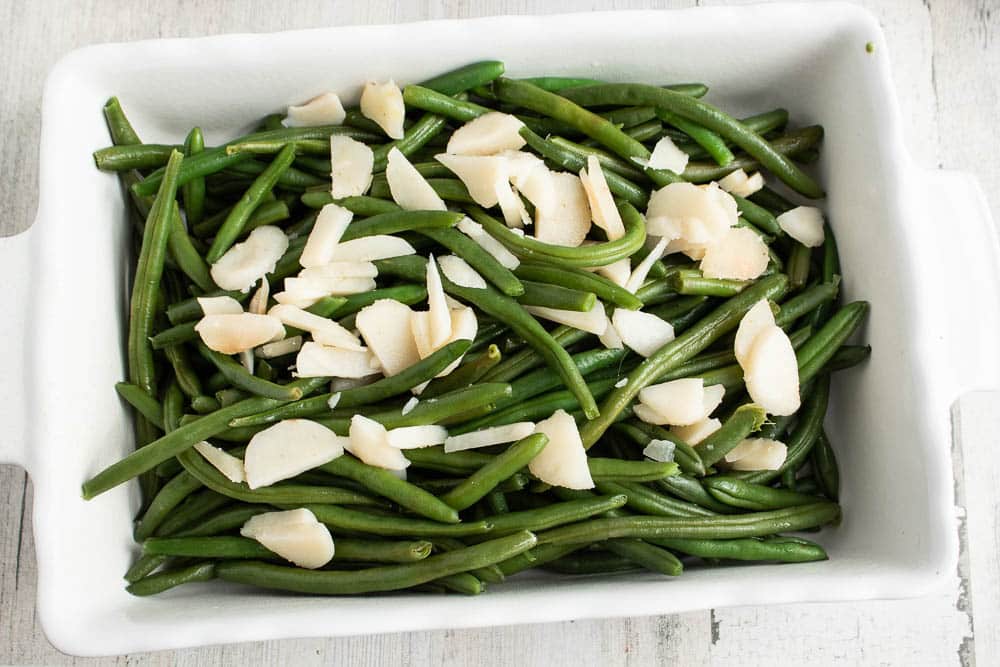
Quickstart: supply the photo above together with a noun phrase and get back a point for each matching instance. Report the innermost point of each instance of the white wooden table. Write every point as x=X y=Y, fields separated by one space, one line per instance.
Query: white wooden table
x=946 y=61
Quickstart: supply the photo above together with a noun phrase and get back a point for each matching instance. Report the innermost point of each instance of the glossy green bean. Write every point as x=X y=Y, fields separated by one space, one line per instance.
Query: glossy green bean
x=571 y=161
x=416 y=137
x=467 y=374
x=758 y=497
x=356 y=521
x=690 y=282
x=690 y=489
x=381 y=389
x=172 y=494
x=213 y=160
x=485 y=479
x=465 y=77
x=744 y=421
x=580 y=279
x=644 y=500
x=824 y=467
x=542 y=380
x=713 y=144
x=746 y=549
x=597 y=254
x=224 y=521
x=251 y=199
x=384 y=578
x=387 y=485
x=122 y=132
x=720 y=321
x=641 y=433
x=193 y=192
x=122 y=157
x=145 y=405
x=555 y=514
x=807 y=301
x=144 y=566
x=791 y=144
x=754 y=524
x=146 y=285
x=400 y=221
x=179 y=440
x=486 y=264
x=820 y=349
x=619 y=470
x=647 y=555
x=608 y=161
x=554 y=296
x=164 y=581
x=706 y=115
x=240 y=378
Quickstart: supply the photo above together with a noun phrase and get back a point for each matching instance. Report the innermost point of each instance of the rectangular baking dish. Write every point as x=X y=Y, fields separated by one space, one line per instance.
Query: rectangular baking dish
x=901 y=231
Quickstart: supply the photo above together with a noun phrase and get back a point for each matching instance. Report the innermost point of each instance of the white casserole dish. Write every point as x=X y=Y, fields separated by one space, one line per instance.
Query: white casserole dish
x=919 y=245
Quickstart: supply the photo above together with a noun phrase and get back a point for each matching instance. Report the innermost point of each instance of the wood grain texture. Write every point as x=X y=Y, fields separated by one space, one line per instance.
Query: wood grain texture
x=946 y=65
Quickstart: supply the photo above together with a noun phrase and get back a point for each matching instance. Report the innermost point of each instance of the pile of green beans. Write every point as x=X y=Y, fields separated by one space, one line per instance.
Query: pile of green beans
x=462 y=520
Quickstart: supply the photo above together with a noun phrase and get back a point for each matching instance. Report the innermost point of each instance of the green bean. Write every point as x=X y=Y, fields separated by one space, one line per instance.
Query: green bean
x=503 y=308
x=580 y=279
x=690 y=282
x=407 y=294
x=591 y=562
x=555 y=514
x=173 y=406
x=198 y=505
x=797 y=266
x=185 y=255
x=647 y=555
x=747 y=419
x=190 y=309
x=823 y=345
x=538 y=556
x=497 y=502
x=465 y=375
x=647 y=132
x=415 y=138
x=170 y=496
x=421 y=97
x=146 y=286
x=626 y=117
x=224 y=521
x=119 y=126
x=485 y=479
x=564 y=109
x=486 y=264
x=304 y=146
x=644 y=500
x=177 y=441
x=618 y=470
x=720 y=321
x=463 y=583
x=571 y=161
x=758 y=216
x=227 y=397
x=251 y=199
x=806 y=302
x=746 y=495
x=175 y=335
x=214 y=160
x=746 y=549
x=145 y=405
x=554 y=296
x=685 y=455
x=122 y=157
x=400 y=221
x=466 y=77
x=387 y=485
x=754 y=524
x=270 y=210
x=164 y=581
x=384 y=578
x=608 y=161
x=356 y=521
x=830 y=272
x=207 y=547
x=539 y=408
x=144 y=566
x=598 y=254
x=528 y=358
x=381 y=389
x=792 y=144
x=706 y=115
x=824 y=467
x=713 y=144
x=704 y=363
x=557 y=83
x=690 y=489
x=280 y=494
x=803 y=438
x=240 y=378
x=448 y=189
x=542 y=380
x=454 y=463
x=193 y=192
x=433 y=410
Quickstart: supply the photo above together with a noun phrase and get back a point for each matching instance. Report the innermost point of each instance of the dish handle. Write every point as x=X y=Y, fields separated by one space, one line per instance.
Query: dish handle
x=962 y=250
x=15 y=275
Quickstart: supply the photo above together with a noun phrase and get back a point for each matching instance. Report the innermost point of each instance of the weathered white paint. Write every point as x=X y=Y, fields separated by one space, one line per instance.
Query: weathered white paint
x=947 y=71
